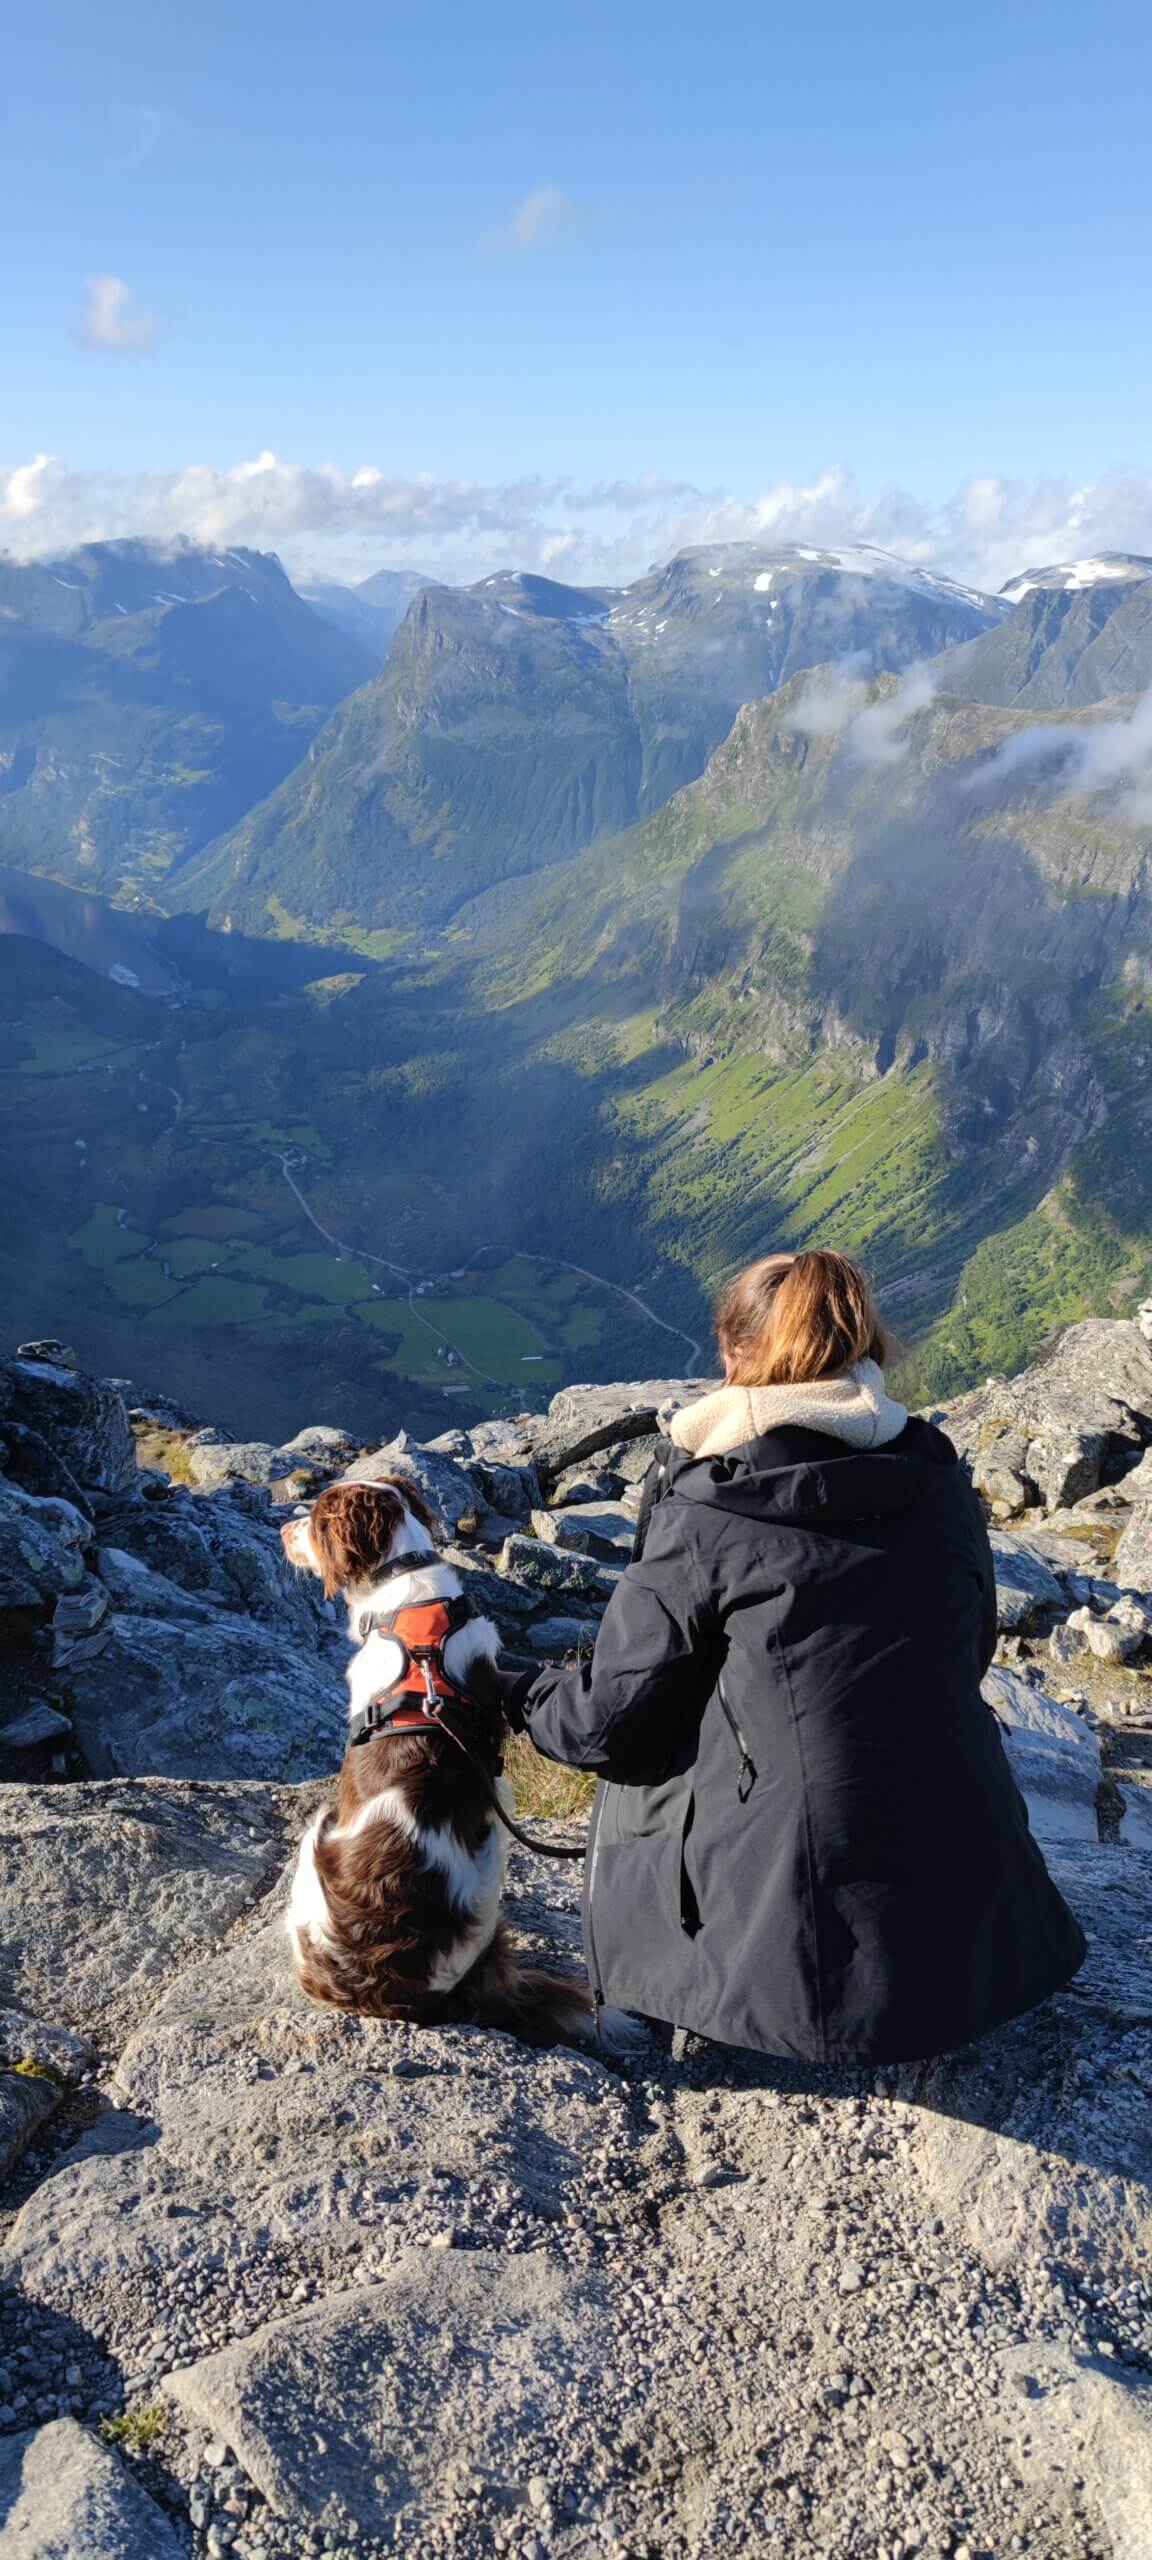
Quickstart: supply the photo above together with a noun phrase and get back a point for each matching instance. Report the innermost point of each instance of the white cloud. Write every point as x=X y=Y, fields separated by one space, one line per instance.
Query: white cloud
x=27 y=489
x=1112 y=756
x=878 y=734
x=114 y=321
x=829 y=701
x=539 y=216
x=346 y=523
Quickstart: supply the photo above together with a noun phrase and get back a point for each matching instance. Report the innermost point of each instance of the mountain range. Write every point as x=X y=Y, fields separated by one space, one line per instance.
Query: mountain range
x=147 y=699
x=784 y=893
x=518 y=720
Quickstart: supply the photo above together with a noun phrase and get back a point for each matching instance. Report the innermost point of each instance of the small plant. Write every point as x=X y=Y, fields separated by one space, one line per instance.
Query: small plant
x=542 y=1788
x=30 y=2070
x=137 y=2428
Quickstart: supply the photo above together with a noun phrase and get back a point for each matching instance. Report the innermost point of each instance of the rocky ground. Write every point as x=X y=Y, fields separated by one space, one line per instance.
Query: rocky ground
x=278 y=2281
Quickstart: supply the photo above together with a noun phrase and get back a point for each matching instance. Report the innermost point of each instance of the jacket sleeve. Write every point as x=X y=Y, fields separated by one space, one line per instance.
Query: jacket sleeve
x=990 y=1624
x=633 y=1712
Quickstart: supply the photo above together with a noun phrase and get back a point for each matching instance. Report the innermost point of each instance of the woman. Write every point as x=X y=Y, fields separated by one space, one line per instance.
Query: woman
x=808 y=1839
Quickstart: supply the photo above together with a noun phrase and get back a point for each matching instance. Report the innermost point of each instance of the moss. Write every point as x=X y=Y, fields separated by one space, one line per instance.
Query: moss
x=137 y=2428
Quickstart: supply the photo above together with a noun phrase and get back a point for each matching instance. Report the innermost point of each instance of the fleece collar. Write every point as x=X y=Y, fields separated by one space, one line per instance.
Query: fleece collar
x=854 y=1408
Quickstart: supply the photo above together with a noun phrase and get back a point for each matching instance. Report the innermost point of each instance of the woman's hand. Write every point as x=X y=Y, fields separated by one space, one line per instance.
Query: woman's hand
x=515 y=1674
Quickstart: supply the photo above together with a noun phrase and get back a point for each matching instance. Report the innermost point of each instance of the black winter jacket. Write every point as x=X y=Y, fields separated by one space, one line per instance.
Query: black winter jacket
x=809 y=1839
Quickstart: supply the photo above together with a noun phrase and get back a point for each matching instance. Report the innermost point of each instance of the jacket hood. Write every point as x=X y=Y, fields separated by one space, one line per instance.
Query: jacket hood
x=854 y=1407
x=793 y=1474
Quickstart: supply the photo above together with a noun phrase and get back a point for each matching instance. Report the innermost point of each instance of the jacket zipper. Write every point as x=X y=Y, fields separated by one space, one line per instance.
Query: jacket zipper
x=591 y=1855
x=747 y=1777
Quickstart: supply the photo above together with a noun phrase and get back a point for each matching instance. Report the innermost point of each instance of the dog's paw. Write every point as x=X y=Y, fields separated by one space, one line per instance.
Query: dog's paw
x=617 y=2032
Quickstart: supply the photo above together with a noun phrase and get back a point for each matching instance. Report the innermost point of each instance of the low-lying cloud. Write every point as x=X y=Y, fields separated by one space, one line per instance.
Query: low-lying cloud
x=347 y=523
x=1112 y=756
x=835 y=703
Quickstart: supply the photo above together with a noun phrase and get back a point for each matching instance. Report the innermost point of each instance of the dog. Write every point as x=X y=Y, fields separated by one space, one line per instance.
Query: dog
x=395 y=1909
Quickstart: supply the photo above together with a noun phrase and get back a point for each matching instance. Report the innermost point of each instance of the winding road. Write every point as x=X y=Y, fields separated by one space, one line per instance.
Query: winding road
x=414 y=1281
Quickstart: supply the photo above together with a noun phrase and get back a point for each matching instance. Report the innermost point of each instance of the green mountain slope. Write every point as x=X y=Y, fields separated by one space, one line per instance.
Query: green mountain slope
x=901 y=1004
x=517 y=721
x=146 y=699
x=1060 y=646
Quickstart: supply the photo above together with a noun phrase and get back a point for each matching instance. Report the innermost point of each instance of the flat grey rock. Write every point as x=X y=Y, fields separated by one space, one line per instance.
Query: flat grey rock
x=268 y=2136
x=461 y=2359
x=1038 y=2140
x=65 y=2496
x=105 y=1890
x=1055 y=1757
x=1057 y=2409
x=169 y=1698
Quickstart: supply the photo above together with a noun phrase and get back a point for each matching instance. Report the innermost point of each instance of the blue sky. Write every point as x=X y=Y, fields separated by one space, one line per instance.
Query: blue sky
x=698 y=254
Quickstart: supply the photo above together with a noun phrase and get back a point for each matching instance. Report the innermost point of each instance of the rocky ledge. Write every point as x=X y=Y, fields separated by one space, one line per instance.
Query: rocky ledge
x=280 y=2282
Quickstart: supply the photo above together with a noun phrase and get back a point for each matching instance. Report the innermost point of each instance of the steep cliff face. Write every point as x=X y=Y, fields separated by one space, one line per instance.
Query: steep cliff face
x=520 y=720
x=276 y=2273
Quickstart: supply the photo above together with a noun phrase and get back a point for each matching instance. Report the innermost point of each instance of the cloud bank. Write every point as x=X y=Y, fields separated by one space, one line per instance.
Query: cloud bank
x=347 y=523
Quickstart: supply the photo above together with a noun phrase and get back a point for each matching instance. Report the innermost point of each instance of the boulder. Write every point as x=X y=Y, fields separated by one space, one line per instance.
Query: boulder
x=106 y=1889
x=39 y=2063
x=66 y=2496
x=1055 y=1758
x=602 y=1529
x=42 y=1544
x=135 y=1588
x=582 y=1420
x=586 y=1484
x=552 y=1569
x=28 y=1460
x=310 y=1460
x=175 y=1698
x=1132 y=1559
x=555 y=1639
x=35 y=1728
x=1118 y=1636
x=1085 y=1401
x=83 y=1421
x=513 y=1490
x=1026 y=1586
x=451 y=1492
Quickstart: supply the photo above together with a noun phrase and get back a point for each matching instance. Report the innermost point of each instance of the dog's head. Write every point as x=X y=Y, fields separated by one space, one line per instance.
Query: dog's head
x=352 y=1529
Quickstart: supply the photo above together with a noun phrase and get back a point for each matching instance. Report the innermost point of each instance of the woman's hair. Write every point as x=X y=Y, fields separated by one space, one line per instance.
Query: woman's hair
x=798 y=1315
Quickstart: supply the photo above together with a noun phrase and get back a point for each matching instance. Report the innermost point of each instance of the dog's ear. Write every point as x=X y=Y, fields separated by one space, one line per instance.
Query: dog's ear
x=353 y=1527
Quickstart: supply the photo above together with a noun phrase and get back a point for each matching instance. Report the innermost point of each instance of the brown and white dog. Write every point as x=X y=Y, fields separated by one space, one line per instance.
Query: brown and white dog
x=395 y=1906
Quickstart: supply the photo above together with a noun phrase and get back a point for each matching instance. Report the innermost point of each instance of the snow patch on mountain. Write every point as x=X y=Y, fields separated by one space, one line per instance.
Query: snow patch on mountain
x=1111 y=568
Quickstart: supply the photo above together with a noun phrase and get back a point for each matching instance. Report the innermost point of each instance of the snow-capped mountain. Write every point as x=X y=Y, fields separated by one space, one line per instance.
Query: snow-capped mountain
x=1109 y=568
